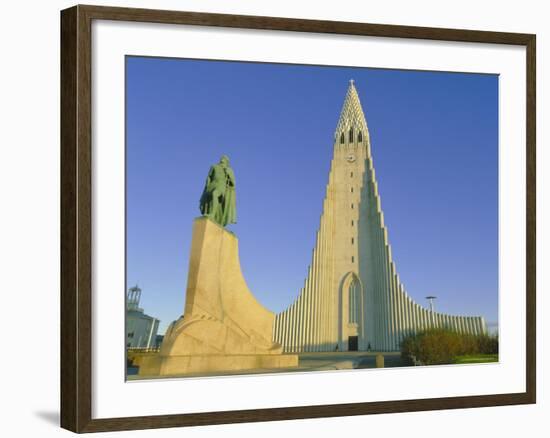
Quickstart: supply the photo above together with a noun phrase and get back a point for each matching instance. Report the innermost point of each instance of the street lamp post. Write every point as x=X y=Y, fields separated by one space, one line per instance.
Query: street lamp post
x=431 y=299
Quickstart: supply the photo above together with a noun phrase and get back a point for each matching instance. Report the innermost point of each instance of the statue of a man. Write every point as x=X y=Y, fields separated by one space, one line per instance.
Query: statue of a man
x=218 y=197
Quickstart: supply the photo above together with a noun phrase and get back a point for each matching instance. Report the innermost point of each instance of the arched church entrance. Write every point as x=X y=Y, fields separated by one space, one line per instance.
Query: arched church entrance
x=351 y=313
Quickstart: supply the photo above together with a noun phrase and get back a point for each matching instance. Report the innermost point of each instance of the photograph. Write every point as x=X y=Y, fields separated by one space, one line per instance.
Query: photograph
x=271 y=217
x=289 y=218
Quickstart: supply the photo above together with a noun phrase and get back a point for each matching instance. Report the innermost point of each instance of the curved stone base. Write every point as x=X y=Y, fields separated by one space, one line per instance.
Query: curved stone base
x=224 y=328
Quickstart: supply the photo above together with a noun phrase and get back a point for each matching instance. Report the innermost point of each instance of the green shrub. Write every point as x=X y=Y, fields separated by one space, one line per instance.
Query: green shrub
x=441 y=346
x=488 y=344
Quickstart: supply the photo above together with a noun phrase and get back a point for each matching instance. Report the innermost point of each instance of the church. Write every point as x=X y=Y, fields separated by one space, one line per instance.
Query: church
x=352 y=298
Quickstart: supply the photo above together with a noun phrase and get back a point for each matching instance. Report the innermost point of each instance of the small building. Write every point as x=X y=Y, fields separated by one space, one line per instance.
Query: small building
x=141 y=329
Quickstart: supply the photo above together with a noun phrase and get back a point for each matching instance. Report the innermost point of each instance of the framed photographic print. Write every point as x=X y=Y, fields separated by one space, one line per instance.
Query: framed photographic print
x=304 y=218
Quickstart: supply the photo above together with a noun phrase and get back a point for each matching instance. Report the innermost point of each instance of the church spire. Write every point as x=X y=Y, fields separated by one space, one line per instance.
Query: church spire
x=352 y=297
x=352 y=124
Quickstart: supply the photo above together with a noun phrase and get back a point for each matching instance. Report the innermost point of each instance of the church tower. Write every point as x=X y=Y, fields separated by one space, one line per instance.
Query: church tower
x=352 y=298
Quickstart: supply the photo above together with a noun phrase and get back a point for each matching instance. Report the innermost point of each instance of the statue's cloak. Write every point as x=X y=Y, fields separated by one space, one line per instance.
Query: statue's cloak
x=229 y=202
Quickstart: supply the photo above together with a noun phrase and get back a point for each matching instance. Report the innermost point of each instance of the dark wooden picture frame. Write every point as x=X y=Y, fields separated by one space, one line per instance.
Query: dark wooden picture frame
x=76 y=218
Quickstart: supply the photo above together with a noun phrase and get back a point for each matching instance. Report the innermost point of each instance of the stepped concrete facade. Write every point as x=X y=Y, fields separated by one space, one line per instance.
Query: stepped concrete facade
x=352 y=298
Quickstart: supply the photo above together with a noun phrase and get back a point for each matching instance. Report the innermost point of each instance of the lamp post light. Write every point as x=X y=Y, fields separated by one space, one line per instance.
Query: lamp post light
x=431 y=299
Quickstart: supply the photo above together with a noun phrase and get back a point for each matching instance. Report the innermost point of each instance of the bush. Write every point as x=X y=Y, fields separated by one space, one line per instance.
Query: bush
x=488 y=344
x=441 y=346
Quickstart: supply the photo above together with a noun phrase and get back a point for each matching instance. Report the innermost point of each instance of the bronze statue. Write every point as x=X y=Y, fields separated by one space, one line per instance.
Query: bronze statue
x=218 y=197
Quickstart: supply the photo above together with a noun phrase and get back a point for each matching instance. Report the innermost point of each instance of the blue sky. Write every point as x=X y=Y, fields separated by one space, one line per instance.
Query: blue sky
x=434 y=139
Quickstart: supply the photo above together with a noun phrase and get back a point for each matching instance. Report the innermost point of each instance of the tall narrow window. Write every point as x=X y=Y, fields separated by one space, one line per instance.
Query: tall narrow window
x=352 y=190
x=352 y=205
x=351 y=174
x=354 y=302
x=342 y=139
x=352 y=259
x=352 y=240
x=352 y=222
x=359 y=137
x=351 y=135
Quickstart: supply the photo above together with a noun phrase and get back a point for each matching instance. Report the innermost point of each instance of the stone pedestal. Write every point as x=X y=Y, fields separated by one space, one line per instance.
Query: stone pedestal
x=223 y=327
